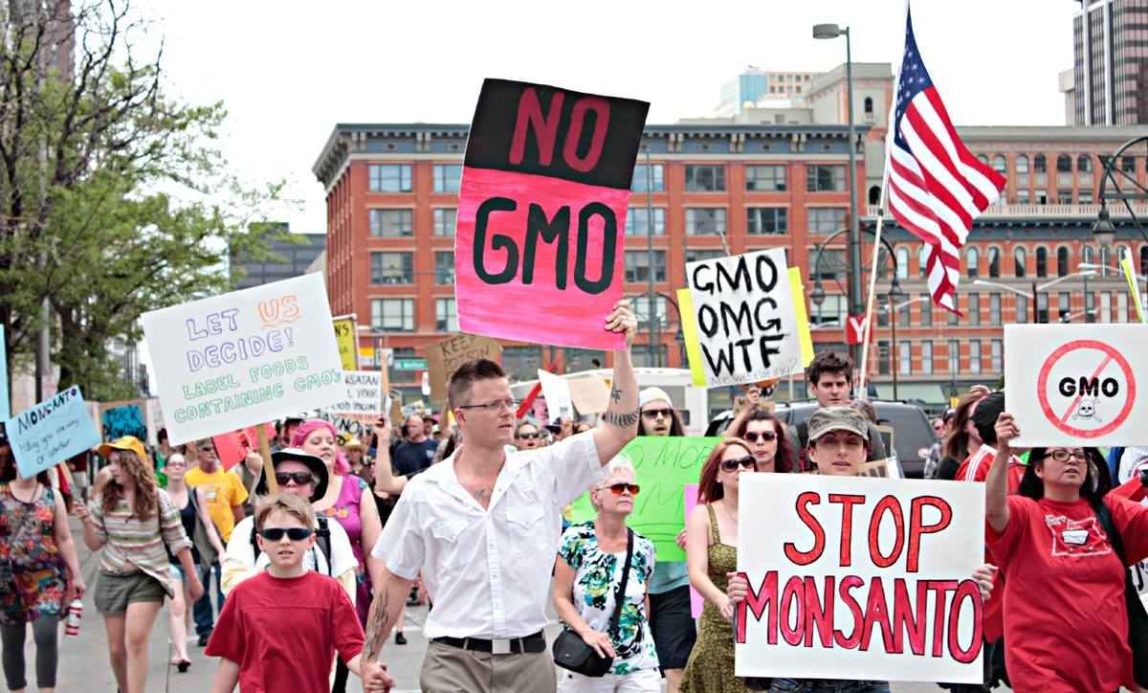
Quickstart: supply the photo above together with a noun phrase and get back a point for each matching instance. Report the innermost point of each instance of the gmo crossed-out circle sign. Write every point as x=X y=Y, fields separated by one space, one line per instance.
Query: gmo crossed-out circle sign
x=1086 y=388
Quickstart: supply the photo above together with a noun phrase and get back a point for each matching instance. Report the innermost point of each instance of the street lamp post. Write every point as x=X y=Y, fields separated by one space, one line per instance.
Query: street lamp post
x=1036 y=290
x=832 y=31
x=894 y=298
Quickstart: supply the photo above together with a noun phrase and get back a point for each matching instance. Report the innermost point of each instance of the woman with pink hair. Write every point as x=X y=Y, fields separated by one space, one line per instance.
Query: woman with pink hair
x=349 y=501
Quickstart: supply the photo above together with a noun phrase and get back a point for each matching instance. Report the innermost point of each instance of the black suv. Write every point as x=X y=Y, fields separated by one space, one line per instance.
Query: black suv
x=911 y=428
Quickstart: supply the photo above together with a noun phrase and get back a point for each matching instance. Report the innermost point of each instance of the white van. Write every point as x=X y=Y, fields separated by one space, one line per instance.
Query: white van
x=692 y=402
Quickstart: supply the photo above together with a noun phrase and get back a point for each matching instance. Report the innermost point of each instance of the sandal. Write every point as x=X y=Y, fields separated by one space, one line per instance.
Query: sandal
x=183 y=666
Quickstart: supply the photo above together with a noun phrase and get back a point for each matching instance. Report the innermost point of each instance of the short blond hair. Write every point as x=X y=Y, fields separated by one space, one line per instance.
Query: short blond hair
x=290 y=504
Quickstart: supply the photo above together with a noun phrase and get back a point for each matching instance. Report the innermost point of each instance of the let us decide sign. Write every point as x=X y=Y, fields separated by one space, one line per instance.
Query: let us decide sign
x=244 y=358
x=542 y=211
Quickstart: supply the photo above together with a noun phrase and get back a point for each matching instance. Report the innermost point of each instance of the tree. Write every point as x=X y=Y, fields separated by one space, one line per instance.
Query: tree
x=113 y=199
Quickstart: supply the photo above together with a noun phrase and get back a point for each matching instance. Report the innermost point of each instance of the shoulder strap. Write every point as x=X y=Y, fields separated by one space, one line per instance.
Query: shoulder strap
x=715 y=530
x=620 y=595
x=323 y=539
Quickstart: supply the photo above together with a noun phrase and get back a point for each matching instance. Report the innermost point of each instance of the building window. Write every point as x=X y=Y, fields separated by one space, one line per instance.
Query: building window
x=996 y=350
x=994 y=309
x=393 y=314
x=825 y=220
x=446 y=177
x=1086 y=255
x=1022 y=196
x=637 y=221
x=827 y=264
x=1122 y=307
x=1039 y=164
x=1042 y=307
x=974 y=308
x=955 y=319
x=1063 y=305
x=904 y=313
x=954 y=356
x=1021 y=163
x=974 y=356
x=1000 y=165
x=705 y=221
x=766 y=221
x=1084 y=196
x=1090 y=307
x=695 y=254
x=1144 y=260
x=582 y=360
x=902 y=255
x=1105 y=256
x=1019 y=258
x=905 y=358
x=1128 y=164
x=445 y=315
x=1042 y=262
x=883 y=310
x=883 y=358
x=927 y=357
x=389 y=178
x=1084 y=164
x=1064 y=164
x=642 y=310
x=648 y=178
x=637 y=263
x=832 y=311
x=765 y=178
x=1106 y=307
x=1062 y=262
x=392 y=223
x=444 y=267
x=708 y=178
x=821 y=178
x=926 y=304
x=994 y=262
x=1021 y=309
x=522 y=362
x=444 y=221
x=392 y=268
x=869 y=105
x=923 y=260
x=972 y=260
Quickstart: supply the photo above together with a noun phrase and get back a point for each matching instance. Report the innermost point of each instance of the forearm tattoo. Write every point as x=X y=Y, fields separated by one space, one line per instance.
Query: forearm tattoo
x=621 y=420
x=378 y=627
x=616 y=395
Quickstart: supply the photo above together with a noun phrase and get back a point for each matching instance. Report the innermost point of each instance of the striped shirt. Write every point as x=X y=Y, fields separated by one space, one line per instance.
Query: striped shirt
x=132 y=543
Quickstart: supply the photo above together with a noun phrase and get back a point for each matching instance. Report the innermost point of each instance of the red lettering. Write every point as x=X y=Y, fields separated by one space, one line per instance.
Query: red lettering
x=886 y=504
x=847 y=502
x=792 y=623
x=755 y=603
x=791 y=551
x=877 y=612
x=904 y=621
x=917 y=526
x=545 y=127
x=847 y=583
x=601 y=109
x=941 y=588
x=968 y=589
x=818 y=615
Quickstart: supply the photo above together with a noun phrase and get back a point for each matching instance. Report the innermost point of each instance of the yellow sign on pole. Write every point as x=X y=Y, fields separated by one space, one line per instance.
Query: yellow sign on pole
x=1133 y=287
x=345 y=337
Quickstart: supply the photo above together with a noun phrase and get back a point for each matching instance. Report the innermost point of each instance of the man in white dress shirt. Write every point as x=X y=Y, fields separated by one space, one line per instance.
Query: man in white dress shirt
x=482 y=528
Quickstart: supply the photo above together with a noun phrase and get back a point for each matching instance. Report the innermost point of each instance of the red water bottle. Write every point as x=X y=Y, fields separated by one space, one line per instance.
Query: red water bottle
x=75 y=613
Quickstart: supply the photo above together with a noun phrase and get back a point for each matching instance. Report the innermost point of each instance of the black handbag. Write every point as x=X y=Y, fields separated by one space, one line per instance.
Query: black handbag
x=1137 y=618
x=571 y=651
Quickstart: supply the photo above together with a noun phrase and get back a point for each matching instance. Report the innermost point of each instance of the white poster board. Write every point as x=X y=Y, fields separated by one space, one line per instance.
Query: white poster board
x=1077 y=384
x=364 y=395
x=893 y=600
x=244 y=358
x=747 y=326
x=559 y=402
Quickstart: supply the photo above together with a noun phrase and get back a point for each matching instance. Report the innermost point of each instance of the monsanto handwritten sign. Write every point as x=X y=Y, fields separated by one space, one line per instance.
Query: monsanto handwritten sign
x=1077 y=384
x=743 y=309
x=541 y=213
x=860 y=578
x=50 y=432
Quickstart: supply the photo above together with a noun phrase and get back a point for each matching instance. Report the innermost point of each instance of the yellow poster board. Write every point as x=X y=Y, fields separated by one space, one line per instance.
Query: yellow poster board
x=345 y=337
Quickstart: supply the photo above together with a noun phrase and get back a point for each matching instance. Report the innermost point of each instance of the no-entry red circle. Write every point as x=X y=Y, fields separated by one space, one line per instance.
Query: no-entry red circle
x=1046 y=406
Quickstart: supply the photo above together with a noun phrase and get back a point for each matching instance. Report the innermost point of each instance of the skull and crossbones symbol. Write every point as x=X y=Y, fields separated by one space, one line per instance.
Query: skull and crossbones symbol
x=1087 y=410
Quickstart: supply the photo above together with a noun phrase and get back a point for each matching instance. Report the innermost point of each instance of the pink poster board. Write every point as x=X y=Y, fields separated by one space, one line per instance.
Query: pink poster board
x=233 y=447
x=696 y=601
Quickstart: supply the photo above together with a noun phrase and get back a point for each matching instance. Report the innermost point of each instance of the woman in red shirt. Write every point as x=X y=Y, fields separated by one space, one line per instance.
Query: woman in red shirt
x=1065 y=620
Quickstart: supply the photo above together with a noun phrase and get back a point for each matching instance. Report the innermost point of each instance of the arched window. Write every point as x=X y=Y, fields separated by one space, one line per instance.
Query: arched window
x=923 y=260
x=1064 y=164
x=1086 y=255
x=1000 y=165
x=972 y=260
x=1038 y=164
x=1084 y=163
x=868 y=105
x=1019 y=258
x=983 y=157
x=875 y=195
x=1105 y=255
x=994 y=262
x=1022 y=164
x=1062 y=261
x=1042 y=262
x=902 y=262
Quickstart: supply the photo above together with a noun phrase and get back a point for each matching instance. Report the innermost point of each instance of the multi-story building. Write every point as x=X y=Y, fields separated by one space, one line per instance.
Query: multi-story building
x=1110 y=67
x=290 y=255
x=756 y=86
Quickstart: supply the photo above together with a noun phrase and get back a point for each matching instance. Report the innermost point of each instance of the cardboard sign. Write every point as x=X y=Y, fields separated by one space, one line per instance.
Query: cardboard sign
x=51 y=432
x=664 y=465
x=119 y=419
x=444 y=358
x=364 y=396
x=244 y=358
x=591 y=394
x=556 y=391
x=1077 y=384
x=233 y=447
x=860 y=579
x=542 y=211
x=345 y=337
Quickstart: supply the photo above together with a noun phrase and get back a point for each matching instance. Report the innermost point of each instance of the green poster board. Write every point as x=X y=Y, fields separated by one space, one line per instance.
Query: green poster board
x=664 y=466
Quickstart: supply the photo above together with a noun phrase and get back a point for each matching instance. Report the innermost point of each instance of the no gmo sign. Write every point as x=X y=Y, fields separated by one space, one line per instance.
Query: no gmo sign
x=1085 y=382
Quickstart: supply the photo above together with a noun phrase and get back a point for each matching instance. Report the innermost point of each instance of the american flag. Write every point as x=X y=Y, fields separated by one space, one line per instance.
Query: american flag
x=935 y=186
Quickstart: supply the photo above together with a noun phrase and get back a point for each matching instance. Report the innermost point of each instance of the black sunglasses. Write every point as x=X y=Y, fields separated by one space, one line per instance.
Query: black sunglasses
x=299 y=478
x=655 y=413
x=748 y=462
x=293 y=533
x=767 y=436
x=529 y=436
x=618 y=489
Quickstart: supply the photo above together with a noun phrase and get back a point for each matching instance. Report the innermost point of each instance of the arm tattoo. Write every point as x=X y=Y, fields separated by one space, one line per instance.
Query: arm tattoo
x=621 y=420
x=616 y=394
x=378 y=626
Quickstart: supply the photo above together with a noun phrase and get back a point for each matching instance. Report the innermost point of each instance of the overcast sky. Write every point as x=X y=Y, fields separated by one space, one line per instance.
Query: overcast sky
x=288 y=75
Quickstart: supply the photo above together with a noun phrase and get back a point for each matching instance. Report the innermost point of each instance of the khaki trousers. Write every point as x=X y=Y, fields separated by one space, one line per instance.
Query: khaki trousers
x=449 y=669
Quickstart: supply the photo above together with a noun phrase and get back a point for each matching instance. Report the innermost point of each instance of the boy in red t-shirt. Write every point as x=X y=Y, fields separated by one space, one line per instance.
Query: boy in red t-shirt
x=280 y=630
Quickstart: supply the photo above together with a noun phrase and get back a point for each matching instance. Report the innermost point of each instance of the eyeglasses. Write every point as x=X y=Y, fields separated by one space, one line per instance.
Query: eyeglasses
x=292 y=533
x=1063 y=455
x=529 y=436
x=655 y=413
x=299 y=478
x=767 y=436
x=747 y=462
x=617 y=489
x=510 y=404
